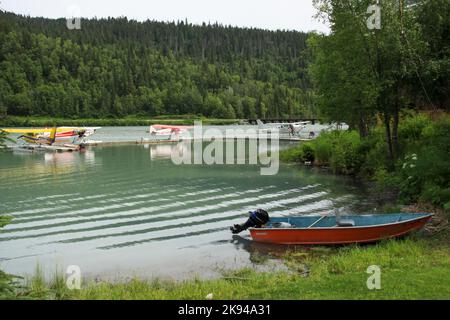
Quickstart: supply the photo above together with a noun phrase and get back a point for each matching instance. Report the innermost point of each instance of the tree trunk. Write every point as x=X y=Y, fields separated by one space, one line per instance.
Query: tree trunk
x=203 y=48
x=362 y=126
x=387 y=124
x=395 y=128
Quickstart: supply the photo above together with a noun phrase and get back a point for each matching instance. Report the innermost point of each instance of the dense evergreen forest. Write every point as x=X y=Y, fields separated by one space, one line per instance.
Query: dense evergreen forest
x=119 y=67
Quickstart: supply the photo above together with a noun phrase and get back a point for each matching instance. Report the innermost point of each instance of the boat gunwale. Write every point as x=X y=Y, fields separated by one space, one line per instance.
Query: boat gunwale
x=426 y=216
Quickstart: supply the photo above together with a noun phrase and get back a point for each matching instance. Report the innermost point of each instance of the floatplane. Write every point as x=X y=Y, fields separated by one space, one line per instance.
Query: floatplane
x=302 y=128
x=53 y=139
x=167 y=132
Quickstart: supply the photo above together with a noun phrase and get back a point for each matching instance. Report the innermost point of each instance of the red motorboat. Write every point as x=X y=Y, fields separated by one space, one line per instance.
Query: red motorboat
x=329 y=230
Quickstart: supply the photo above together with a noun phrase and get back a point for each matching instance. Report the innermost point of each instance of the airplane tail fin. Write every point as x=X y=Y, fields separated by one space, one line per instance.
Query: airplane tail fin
x=52 y=135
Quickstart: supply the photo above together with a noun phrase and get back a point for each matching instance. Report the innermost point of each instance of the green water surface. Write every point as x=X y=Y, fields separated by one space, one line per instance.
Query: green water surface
x=128 y=210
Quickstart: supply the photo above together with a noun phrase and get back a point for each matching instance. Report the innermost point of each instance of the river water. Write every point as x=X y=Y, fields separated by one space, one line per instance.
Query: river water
x=122 y=211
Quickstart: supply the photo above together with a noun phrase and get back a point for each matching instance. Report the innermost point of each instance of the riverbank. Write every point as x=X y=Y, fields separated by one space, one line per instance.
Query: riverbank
x=16 y=121
x=411 y=268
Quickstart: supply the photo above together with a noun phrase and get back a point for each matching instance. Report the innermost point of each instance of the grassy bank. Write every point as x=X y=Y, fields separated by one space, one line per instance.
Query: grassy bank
x=411 y=268
x=13 y=121
x=415 y=267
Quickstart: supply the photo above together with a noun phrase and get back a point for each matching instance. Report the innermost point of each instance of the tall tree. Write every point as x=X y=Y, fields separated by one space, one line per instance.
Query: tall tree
x=360 y=71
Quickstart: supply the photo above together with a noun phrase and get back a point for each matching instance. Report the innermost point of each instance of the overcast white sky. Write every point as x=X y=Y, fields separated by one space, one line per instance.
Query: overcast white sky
x=266 y=14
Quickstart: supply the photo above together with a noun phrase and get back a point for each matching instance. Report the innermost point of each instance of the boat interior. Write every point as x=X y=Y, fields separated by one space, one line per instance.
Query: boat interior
x=344 y=221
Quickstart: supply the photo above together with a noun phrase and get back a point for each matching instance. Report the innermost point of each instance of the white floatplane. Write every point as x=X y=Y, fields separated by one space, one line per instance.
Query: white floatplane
x=168 y=132
x=304 y=129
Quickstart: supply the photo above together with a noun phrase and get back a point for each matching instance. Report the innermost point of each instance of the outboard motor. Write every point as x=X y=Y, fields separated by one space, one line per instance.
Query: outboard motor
x=256 y=219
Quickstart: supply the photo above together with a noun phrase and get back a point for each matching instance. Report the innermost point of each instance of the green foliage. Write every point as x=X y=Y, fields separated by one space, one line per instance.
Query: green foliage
x=425 y=173
x=149 y=69
x=373 y=149
x=3 y=112
x=385 y=180
x=411 y=131
x=3 y=139
x=304 y=152
x=331 y=273
x=6 y=285
x=433 y=16
x=447 y=206
x=412 y=127
x=346 y=157
x=307 y=152
x=323 y=150
x=15 y=121
x=339 y=150
x=4 y=220
x=37 y=285
x=291 y=154
x=362 y=76
x=59 y=287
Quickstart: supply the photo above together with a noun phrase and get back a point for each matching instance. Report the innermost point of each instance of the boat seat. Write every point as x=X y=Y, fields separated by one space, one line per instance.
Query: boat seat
x=282 y=225
x=346 y=223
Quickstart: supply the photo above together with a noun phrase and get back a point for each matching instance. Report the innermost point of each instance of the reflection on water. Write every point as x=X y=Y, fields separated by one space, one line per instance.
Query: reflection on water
x=41 y=164
x=257 y=250
x=164 y=151
x=69 y=159
x=129 y=210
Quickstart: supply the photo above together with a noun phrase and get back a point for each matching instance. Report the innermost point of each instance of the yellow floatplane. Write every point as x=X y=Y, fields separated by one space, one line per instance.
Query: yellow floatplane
x=53 y=139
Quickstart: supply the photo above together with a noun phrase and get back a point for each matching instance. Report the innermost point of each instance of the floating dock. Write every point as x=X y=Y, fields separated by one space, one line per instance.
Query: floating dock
x=45 y=148
x=143 y=141
x=149 y=141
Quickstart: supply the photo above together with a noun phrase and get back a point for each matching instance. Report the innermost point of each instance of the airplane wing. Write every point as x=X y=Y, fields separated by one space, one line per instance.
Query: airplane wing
x=162 y=126
x=79 y=128
x=44 y=130
x=29 y=130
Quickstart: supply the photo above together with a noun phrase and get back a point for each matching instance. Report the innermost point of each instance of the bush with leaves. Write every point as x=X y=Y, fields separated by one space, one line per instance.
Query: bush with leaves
x=307 y=152
x=422 y=171
x=425 y=174
x=4 y=138
x=339 y=150
x=323 y=149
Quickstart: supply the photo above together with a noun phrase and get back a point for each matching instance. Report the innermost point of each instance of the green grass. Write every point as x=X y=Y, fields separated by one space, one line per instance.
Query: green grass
x=15 y=121
x=412 y=268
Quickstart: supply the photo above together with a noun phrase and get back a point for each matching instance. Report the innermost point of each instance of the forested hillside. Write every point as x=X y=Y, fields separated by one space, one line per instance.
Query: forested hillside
x=120 y=67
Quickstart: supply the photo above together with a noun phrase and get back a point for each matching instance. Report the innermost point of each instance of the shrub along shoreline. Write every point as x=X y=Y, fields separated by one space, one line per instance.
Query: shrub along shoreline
x=421 y=172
